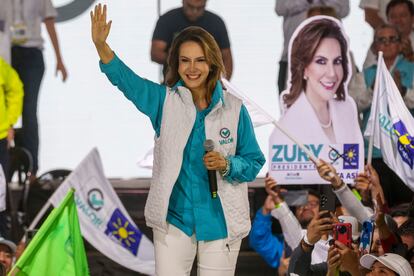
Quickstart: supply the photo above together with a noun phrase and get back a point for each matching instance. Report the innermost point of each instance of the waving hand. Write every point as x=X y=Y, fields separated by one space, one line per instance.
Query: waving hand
x=100 y=31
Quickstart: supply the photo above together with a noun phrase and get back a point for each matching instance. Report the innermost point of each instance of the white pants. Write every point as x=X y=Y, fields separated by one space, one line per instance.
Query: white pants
x=175 y=253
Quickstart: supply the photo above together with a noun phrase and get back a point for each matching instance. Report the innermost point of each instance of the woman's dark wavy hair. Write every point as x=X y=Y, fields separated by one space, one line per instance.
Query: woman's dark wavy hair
x=303 y=49
x=211 y=51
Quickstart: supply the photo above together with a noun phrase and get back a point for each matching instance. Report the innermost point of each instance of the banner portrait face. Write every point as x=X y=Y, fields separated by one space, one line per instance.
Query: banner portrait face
x=317 y=109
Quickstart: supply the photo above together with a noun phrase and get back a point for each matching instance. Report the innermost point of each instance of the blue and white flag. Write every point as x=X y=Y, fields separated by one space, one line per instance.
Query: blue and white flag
x=104 y=221
x=392 y=126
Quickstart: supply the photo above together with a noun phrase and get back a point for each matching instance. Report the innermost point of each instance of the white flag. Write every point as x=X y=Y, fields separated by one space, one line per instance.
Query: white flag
x=258 y=115
x=104 y=221
x=392 y=126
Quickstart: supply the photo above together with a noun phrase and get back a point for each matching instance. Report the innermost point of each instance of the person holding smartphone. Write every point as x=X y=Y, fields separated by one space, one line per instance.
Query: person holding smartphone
x=300 y=260
x=293 y=225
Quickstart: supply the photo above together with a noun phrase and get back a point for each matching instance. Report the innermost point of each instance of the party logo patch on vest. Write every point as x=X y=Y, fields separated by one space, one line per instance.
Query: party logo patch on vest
x=225 y=134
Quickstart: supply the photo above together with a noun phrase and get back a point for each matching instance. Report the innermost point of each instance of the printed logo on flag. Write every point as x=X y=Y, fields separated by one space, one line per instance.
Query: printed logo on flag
x=350 y=156
x=123 y=231
x=95 y=199
x=405 y=143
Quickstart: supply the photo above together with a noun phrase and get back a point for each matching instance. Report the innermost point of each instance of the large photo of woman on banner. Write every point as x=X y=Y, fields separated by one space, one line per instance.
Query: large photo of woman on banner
x=316 y=107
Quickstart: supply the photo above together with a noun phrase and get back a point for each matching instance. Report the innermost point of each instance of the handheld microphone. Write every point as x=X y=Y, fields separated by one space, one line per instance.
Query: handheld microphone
x=212 y=177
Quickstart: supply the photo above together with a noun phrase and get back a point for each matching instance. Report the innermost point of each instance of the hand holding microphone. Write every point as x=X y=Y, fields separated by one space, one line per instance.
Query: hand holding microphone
x=213 y=161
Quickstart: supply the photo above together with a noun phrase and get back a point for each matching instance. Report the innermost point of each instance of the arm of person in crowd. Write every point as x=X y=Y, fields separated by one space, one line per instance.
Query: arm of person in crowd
x=300 y=260
x=292 y=231
x=389 y=241
x=249 y=159
x=291 y=7
x=407 y=49
x=341 y=6
x=51 y=30
x=343 y=192
x=13 y=90
x=261 y=238
x=372 y=18
x=228 y=62
x=359 y=92
x=147 y=96
x=159 y=51
x=342 y=258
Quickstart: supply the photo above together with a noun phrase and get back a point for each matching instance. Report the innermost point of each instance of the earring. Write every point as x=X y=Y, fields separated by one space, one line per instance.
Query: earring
x=305 y=77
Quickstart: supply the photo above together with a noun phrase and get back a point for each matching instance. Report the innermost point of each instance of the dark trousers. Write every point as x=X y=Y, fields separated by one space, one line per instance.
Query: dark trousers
x=28 y=62
x=395 y=191
x=282 y=78
x=4 y=156
x=4 y=162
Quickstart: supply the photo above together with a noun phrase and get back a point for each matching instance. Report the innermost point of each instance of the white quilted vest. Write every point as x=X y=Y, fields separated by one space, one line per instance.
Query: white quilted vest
x=221 y=124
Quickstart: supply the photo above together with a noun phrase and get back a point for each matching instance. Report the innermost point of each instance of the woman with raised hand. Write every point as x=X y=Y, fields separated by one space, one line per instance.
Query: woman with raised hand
x=193 y=107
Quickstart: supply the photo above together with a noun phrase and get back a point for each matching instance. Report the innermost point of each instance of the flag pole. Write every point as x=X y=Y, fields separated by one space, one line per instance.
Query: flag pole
x=39 y=215
x=374 y=107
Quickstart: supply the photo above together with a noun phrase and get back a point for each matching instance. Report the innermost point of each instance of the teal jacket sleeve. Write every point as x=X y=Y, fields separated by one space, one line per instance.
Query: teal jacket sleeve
x=146 y=95
x=261 y=239
x=249 y=159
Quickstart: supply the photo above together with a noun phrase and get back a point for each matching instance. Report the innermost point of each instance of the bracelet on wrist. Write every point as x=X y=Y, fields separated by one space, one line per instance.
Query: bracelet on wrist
x=306 y=246
x=307 y=242
x=226 y=171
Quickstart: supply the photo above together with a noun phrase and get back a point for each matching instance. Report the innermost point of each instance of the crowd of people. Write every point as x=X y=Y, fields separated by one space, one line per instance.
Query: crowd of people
x=192 y=105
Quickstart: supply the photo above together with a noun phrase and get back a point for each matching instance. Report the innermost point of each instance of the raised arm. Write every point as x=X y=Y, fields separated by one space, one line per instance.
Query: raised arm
x=146 y=95
x=100 y=31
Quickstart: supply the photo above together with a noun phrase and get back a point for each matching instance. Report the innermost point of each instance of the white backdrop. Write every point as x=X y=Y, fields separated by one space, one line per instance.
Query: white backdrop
x=88 y=111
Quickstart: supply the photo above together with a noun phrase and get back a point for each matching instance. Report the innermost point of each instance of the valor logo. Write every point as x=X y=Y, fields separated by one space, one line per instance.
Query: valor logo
x=225 y=134
x=95 y=199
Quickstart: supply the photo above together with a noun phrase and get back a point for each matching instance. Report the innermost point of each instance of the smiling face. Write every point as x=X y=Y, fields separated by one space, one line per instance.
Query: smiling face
x=324 y=74
x=192 y=66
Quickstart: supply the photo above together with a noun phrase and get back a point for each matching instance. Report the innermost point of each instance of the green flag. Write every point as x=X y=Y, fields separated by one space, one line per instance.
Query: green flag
x=57 y=248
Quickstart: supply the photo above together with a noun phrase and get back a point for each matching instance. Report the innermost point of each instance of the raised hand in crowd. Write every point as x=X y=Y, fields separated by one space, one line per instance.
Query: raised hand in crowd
x=333 y=261
x=100 y=31
x=327 y=172
x=318 y=227
x=406 y=49
x=274 y=197
x=284 y=265
x=342 y=258
x=362 y=184
x=376 y=188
